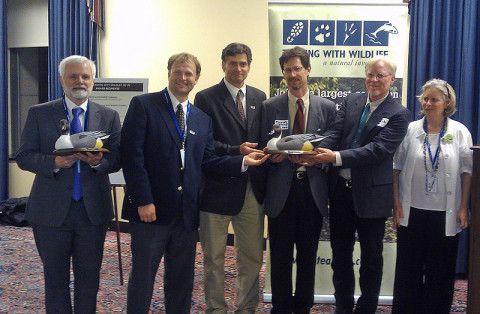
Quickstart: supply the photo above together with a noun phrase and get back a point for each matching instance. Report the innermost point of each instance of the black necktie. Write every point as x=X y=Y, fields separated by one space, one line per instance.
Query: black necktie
x=180 y=115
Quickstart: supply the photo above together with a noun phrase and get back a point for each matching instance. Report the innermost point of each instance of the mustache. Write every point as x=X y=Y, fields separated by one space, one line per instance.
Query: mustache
x=80 y=86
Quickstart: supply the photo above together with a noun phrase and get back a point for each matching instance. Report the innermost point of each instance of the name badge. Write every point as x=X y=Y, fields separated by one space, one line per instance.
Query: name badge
x=431 y=184
x=282 y=123
x=182 y=155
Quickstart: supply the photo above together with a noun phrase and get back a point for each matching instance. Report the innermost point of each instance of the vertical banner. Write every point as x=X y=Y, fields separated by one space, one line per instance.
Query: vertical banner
x=340 y=38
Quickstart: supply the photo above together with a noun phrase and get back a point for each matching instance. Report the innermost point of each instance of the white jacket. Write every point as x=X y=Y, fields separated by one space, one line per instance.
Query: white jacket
x=456 y=156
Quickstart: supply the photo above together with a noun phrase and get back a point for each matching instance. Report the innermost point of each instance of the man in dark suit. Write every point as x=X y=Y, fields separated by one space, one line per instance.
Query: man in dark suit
x=366 y=133
x=165 y=145
x=235 y=111
x=296 y=198
x=70 y=202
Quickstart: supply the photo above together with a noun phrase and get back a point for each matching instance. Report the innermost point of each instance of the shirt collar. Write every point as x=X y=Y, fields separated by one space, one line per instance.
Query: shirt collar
x=234 y=90
x=175 y=101
x=70 y=105
x=374 y=104
x=305 y=97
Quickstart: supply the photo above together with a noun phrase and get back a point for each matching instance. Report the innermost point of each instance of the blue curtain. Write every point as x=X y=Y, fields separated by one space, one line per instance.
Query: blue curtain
x=445 y=44
x=3 y=104
x=70 y=32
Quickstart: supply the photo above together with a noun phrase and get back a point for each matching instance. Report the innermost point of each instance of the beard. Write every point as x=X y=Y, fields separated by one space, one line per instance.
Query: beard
x=78 y=92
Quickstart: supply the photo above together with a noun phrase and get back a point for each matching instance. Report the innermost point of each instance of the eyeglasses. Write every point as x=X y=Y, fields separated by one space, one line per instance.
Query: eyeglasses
x=295 y=69
x=379 y=76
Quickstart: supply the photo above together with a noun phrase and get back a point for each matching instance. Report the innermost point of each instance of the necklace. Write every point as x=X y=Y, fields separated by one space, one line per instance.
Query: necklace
x=431 y=174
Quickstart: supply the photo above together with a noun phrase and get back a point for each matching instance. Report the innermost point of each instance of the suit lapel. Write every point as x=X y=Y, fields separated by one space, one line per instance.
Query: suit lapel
x=162 y=107
x=251 y=107
x=94 y=117
x=193 y=128
x=284 y=114
x=229 y=103
x=379 y=113
x=314 y=115
x=58 y=113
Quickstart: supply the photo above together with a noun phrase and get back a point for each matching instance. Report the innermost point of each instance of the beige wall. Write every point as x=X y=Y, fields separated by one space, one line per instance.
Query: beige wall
x=140 y=36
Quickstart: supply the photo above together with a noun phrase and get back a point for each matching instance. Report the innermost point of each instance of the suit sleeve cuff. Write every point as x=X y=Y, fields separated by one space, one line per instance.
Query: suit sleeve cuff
x=338 y=160
x=244 y=168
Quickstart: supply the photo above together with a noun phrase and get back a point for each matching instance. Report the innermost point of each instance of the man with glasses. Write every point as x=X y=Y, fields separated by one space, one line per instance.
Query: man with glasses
x=296 y=197
x=367 y=131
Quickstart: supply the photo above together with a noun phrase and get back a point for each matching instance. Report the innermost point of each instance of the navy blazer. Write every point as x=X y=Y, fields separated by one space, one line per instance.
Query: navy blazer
x=51 y=192
x=371 y=160
x=150 y=154
x=321 y=115
x=221 y=194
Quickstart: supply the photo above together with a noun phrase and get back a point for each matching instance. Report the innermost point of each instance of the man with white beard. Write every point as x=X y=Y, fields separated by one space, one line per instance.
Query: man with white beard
x=70 y=201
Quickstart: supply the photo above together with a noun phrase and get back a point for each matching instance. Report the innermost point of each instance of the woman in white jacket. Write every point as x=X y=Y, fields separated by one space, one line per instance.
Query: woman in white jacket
x=432 y=175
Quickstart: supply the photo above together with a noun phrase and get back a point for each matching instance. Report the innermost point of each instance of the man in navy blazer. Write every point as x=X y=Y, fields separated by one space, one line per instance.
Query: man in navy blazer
x=69 y=226
x=361 y=197
x=165 y=145
x=235 y=111
x=296 y=199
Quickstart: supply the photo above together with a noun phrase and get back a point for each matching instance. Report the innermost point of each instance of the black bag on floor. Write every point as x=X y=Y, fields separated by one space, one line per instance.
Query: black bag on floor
x=12 y=212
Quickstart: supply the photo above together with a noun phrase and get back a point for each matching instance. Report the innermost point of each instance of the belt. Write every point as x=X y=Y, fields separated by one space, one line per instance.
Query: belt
x=301 y=174
x=345 y=182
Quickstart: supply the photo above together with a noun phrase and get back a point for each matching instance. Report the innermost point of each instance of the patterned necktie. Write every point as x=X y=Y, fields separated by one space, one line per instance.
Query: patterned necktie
x=180 y=116
x=241 y=111
x=76 y=127
x=299 y=122
x=361 y=124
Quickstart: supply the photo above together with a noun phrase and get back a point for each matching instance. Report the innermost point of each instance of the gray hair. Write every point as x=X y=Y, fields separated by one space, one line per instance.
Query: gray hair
x=389 y=61
x=76 y=59
x=447 y=92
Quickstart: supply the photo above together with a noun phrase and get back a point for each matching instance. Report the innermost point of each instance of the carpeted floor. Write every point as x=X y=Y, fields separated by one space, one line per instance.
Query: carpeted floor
x=21 y=279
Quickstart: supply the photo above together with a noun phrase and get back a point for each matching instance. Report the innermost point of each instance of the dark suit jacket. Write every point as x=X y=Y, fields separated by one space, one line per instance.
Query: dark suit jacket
x=321 y=115
x=221 y=194
x=371 y=161
x=152 y=166
x=51 y=192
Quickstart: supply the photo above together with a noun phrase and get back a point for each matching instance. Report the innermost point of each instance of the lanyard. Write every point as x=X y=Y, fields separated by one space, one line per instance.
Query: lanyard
x=172 y=114
x=442 y=131
x=68 y=115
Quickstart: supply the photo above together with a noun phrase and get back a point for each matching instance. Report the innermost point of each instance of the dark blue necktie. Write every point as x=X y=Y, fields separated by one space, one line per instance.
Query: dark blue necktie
x=361 y=124
x=76 y=127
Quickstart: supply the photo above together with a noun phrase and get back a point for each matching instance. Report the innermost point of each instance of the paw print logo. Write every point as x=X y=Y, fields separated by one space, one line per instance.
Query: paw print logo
x=323 y=32
x=295 y=31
